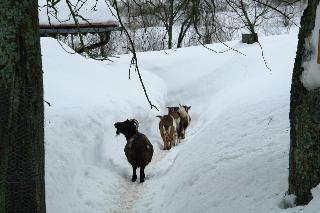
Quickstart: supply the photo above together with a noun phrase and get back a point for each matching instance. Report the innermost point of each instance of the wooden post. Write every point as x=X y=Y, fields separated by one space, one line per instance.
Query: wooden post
x=319 y=49
x=249 y=38
x=72 y=42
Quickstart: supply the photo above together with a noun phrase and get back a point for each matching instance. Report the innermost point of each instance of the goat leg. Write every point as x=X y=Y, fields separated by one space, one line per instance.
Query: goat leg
x=183 y=133
x=142 y=175
x=134 y=175
x=175 y=140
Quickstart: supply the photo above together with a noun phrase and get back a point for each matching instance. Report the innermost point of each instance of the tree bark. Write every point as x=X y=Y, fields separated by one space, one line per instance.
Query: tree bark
x=170 y=24
x=304 y=157
x=22 y=188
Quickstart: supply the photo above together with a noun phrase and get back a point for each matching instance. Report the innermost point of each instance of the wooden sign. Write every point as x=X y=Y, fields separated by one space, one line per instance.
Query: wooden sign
x=319 y=49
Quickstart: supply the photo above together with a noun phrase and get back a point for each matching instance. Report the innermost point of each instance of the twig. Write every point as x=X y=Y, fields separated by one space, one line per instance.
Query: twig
x=277 y=10
x=264 y=60
x=49 y=104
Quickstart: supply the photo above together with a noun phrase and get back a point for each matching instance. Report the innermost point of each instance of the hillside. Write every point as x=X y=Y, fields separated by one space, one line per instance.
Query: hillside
x=234 y=157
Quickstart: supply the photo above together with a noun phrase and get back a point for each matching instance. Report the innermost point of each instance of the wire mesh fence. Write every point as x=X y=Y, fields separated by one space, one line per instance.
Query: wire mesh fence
x=19 y=151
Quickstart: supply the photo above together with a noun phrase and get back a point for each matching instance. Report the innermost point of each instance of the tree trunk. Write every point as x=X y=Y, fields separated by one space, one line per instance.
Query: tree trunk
x=170 y=24
x=185 y=25
x=304 y=162
x=22 y=188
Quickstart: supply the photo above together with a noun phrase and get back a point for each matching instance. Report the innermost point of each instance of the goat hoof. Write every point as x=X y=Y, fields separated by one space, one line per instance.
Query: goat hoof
x=134 y=179
x=141 y=180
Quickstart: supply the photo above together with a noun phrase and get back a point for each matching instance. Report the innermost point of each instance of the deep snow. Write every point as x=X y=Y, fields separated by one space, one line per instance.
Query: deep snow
x=234 y=157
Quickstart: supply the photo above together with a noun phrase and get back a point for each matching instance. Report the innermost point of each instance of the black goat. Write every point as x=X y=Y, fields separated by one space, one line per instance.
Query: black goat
x=138 y=149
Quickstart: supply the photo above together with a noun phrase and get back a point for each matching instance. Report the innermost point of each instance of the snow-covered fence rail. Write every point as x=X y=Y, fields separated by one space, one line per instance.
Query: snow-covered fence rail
x=66 y=29
x=69 y=17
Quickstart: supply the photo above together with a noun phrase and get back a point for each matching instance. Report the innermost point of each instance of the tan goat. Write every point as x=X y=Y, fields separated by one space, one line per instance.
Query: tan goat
x=168 y=131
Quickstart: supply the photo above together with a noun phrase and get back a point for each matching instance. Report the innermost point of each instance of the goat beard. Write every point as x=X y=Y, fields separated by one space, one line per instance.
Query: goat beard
x=117 y=132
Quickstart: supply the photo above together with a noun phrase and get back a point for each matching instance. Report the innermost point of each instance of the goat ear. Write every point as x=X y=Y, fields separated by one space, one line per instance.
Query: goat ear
x=180 y=105
x=188 y=107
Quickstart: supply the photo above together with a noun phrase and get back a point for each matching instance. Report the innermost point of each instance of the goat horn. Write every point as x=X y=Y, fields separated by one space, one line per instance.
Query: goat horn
x=136 y=122
x=159 y=116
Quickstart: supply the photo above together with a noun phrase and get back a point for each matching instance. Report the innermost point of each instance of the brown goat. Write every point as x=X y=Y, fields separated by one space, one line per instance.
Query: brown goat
x=138 y=149
x=168 y=131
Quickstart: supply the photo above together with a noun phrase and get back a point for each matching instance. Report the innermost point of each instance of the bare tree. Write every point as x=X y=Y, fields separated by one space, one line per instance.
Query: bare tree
x=250 y=13
x=171 y=12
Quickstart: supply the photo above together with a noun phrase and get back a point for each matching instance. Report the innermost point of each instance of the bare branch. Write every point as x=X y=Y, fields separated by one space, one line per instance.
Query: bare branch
x=134 y=60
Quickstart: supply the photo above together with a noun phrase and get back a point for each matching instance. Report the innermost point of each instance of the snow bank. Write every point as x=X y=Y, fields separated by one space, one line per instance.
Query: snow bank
x=85 y=163
x=311 y=74
x=92 y=11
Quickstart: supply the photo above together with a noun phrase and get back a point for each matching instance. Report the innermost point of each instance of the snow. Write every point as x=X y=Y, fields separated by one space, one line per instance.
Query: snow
x=234 y=157
x=288 y=201
x=90 y=11
x=311 y=74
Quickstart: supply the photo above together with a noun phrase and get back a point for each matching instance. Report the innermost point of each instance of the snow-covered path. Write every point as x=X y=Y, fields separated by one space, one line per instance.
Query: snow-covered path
x=235 y=156
x=128 y=198
x=135 y=192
